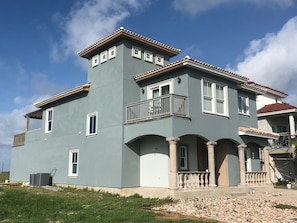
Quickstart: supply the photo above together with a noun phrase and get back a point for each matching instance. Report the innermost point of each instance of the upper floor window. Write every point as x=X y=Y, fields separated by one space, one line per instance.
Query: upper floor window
x=214 y=97
x=183 y=157
x=160 y=89
x=159 y=60
x=49 y=120
x=73 y=163
x=103 y=56
x=136 y=52
x=92 y=123
x=95 y=60
x=243 y=104
x=148 y=56
x=112 y=52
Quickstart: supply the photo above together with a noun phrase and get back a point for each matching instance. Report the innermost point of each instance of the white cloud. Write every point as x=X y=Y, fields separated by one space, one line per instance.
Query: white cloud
x=90 y=21
x=271 y=61
x=199 y=6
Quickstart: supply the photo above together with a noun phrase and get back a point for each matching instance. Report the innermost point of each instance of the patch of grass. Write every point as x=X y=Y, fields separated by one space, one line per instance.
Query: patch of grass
x=285 y=206
x=27 y=204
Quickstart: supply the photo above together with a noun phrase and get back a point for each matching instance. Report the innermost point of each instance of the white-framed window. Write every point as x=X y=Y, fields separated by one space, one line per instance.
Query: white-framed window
x=160 y=89
x=136 y=52
x=49 y=115
x=148 y=56
x=95 y=60
x=183 y=157
x=243 y=105
x=91 y=124
x=73 y=163
x=112 y=52
x=214 y=97
x=103 y=56
x=159 y=60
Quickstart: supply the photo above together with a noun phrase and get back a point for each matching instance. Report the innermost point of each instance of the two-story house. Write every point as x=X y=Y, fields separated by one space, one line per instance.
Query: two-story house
x=280 y=117
x=142 y=124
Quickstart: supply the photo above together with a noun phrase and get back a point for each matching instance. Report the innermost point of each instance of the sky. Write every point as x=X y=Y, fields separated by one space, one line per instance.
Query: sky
x=39 y=41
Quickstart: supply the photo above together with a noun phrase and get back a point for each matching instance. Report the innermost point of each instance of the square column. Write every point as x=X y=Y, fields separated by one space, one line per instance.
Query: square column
x=211 y=163
x=266 y=164
x=292 y=126
x=241 y=149
x=173 y=161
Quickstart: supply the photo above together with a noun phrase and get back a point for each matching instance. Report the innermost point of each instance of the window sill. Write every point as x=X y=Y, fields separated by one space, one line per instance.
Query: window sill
x=216 y=114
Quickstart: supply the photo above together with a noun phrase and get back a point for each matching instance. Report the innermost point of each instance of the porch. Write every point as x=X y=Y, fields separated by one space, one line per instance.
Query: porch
x=167 y=105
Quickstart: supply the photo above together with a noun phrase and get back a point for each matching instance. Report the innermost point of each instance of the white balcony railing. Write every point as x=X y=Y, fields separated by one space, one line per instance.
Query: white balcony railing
x=255 y=178
x=192 y=180
x=167 y=105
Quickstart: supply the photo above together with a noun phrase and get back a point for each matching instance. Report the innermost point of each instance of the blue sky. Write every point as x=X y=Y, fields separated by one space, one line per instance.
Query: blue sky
x=39 y=41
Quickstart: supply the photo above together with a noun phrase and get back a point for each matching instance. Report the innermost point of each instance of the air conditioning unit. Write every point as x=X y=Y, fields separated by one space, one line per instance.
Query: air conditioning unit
x=40 y=179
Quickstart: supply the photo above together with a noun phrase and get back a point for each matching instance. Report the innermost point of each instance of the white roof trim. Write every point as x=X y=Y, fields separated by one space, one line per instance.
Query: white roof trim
x=82 y=88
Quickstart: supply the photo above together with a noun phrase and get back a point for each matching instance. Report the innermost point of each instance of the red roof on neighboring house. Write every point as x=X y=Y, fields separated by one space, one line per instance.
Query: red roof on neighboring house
x=276 y=107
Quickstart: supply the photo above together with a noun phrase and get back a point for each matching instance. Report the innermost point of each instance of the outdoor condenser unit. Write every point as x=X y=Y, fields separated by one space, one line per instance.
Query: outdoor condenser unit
x=40 y=179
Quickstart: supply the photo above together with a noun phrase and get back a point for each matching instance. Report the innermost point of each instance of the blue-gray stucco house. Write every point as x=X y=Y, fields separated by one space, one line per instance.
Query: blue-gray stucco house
x=142 y=124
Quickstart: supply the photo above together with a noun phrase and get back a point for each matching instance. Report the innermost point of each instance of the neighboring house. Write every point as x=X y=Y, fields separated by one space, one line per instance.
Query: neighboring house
x=144 y=125
x=277 y=116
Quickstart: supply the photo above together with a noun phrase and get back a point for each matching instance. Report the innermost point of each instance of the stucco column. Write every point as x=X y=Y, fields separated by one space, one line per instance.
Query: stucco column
x=27 y=123
x=266 y=164
x=241 y=149
x=173 y=161
x=211 y=163
x=292 y=126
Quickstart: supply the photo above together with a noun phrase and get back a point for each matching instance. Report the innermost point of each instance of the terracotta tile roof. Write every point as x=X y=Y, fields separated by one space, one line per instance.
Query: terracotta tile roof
x=257 y=132
x=267 y=89
x=187 y=61
x=275 y=107
x=73 y=91
x=122 y=32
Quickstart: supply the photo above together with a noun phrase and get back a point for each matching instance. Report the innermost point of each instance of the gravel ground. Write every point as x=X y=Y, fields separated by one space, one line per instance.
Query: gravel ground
x=258 y=207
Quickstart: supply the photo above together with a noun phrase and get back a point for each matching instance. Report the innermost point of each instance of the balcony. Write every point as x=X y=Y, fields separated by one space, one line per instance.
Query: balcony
x=19 y=139
x=285 y=140
x=164 y=106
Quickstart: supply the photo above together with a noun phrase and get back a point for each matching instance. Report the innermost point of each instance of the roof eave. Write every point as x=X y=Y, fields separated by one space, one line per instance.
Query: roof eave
x=121 y=33
x=82 y=88
x=280 y=112
x=212 y=71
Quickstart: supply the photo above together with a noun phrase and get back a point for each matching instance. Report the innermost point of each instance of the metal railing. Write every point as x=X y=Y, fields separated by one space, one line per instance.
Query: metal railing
x=167 y=105
x=19 y=140
x=285 y=140
x=192 y=180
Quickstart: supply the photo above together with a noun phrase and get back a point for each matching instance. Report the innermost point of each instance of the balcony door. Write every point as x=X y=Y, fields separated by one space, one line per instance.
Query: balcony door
x=160 y=104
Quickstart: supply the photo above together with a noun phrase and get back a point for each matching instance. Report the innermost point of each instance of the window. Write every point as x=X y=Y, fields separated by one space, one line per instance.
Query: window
x=92 y=123
x=243 y=105
x=136 y=52
x=73 y=163
x=103 y=56
x=160 y=89
x=148 y=56
x=95 y=60
x=49 y=120
x=183 y=157
x=112 y=52
x=159 y=60
x=214 y=97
